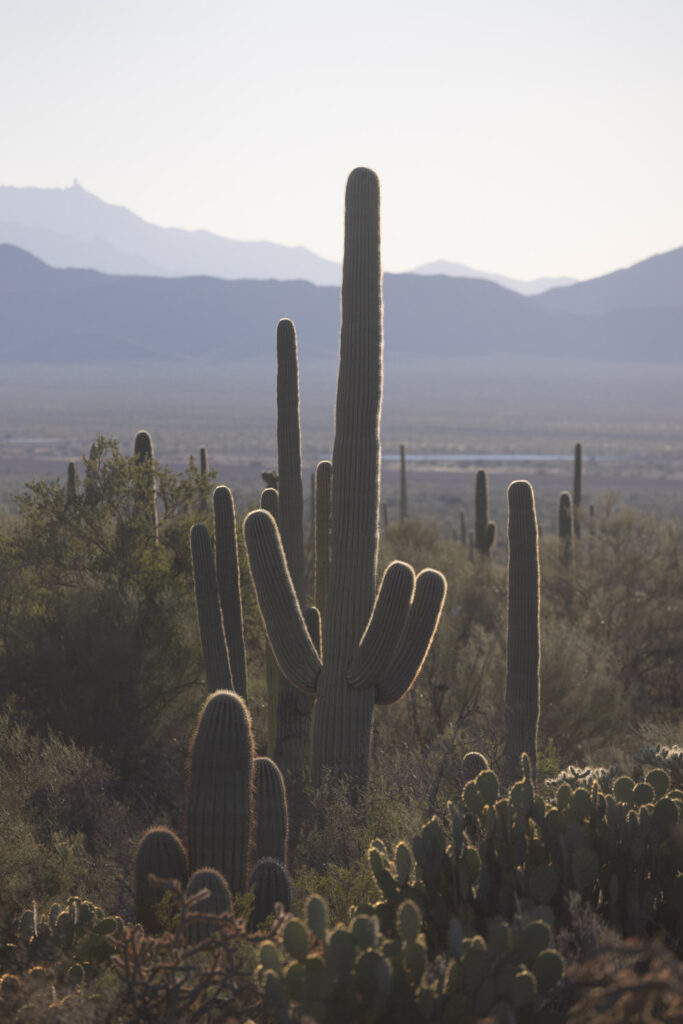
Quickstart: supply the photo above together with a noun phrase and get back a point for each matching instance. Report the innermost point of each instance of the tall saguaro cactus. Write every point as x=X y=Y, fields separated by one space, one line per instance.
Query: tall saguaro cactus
x=522 y=688
x=484 y=529
x=374 y=641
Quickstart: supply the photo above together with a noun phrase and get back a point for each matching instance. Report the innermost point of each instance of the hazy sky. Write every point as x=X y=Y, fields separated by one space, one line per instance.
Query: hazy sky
x=526 y=137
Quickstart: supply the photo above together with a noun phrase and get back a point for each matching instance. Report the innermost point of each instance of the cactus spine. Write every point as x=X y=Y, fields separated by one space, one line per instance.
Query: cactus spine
x=522 y=688
x=565 y=527
x=484 y=529
x=344 y=712
x=578 y=472
x=220 y=791
x=403 y=505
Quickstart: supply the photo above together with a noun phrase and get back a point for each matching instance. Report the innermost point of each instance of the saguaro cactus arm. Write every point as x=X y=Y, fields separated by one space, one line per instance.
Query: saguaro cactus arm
x=228 y=579
x=385 y=628
x=290 y=488
x=418 y=634
x=294 y=652
x=214 y=648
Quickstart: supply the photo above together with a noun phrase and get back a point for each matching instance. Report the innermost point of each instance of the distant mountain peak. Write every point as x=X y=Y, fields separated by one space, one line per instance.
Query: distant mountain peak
x=72 y=227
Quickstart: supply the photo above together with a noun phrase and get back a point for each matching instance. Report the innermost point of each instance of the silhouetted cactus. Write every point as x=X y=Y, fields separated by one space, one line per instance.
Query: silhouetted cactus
x=403 y=503
x=203 y=473
x=214 y=646
x=160 y=853
x=229 y=592
x=484 y=529
x=344 y=710
x=71 y=485
x=270 y=884
x=147 y=489
x=522 y=688
x=292 y=745
x=565 y=527
x=272 y=821
x=578 y=473
x=270 y=503
x=220 y=790
x=218 y=901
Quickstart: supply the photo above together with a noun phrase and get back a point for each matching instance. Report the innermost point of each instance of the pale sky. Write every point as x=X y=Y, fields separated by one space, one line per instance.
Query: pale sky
x=523 y=137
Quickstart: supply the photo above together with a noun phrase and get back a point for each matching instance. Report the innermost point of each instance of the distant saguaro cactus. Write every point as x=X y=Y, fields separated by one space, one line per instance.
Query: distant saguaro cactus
x=374 y=640
x=71 y=485
x=203 y=473
x=484 y=529
x=147 y=489
x=578 y=473
x=565 y=527
x=403 y=506
x=522 y=688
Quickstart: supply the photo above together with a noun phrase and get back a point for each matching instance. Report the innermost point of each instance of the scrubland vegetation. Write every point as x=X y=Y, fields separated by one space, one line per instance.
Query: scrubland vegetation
x=420 y=886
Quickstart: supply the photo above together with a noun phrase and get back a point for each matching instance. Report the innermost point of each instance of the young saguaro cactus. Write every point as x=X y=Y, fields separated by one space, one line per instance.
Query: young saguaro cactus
x=159 y=853
x=403 y=503
x=522 y=688
x=374 y=640
x=484 y=529
x=220 y=789
x=565 y=527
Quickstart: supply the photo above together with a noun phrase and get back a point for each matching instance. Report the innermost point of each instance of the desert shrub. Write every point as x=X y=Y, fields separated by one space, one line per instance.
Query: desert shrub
x=63 y=829
x=98 y=635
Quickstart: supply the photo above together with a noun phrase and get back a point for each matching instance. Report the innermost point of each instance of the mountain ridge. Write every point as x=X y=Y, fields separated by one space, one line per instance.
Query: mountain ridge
x=48 y=314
